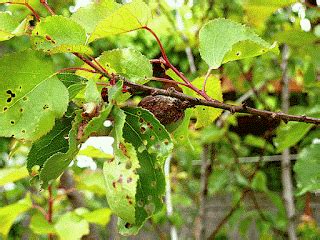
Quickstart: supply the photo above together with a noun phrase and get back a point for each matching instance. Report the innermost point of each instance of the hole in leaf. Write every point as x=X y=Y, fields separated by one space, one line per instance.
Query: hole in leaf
x=12 y=122
x=150 y=125
x=142 y=130
x=139 y=113
x=128 y=225
x=5 y=109
x=238 y=53
x=141 y=120
x=21 y=109
x=9 y=99
x=45 y=107
x=12 y=135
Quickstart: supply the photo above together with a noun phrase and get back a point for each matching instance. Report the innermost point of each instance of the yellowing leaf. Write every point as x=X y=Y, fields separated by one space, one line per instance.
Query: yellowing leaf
x=206 y=115
x=9 y=175
x=10 y=212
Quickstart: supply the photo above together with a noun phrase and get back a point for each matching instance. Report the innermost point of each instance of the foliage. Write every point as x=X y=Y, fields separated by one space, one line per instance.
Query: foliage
x=48 y=115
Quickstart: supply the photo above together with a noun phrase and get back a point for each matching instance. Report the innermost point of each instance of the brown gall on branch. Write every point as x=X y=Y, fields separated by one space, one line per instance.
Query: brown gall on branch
x=192 y=102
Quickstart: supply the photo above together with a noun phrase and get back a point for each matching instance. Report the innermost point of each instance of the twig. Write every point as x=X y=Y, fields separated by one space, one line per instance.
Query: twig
x=176 y=71
x=76 y=69
x=45 y=4
x=168 y=81
x=191 y=102
x=286 y=177
x=36 y=15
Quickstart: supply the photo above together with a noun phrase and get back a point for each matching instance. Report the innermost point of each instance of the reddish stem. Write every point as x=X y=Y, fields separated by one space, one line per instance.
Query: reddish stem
x=169 y=81
x=176 y=71
x=50 y=204
x=76 y=69
x=36 y=15
x=40 y=209
x=45 y=4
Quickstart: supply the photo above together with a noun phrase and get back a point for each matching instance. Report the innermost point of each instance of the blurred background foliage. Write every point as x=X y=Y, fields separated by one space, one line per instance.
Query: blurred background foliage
x=236 y=143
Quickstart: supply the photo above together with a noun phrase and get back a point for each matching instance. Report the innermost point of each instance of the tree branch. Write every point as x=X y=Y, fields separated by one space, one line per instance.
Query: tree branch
x=191 y=102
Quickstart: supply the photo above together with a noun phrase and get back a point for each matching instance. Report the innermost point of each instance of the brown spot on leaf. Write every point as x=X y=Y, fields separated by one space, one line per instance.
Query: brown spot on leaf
x=129 y=179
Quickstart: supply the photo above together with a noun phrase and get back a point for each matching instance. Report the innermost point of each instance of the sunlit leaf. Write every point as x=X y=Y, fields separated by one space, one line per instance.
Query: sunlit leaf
x=70 y=226
x=10 y=175
x=258 y=11
x=89 y=16
x=128 y=63
x=39 y=225
x=30 y=99
x=8 y=24
x=206 y=115
x=129 y=17
x=222 y=40
x=56 y=34
x=100 y=216
x=10 y=212
x=153 y=145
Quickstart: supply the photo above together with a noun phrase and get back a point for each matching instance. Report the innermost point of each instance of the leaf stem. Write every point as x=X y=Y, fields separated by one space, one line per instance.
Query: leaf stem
x=176 y=71
x=76 y=69
x=45 y=4
x=168 y=81
x=36 y=15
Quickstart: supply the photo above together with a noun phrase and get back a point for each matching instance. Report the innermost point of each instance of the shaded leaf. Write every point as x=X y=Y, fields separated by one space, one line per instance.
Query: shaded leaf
x=307 y=168
x=58 y=162
x=55 y=141
x=73 y=82
x=222 y=40
x=30 y=98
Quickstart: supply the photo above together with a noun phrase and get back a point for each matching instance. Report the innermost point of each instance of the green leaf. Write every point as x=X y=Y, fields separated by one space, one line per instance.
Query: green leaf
x=10 y=212
x=52 y=143
x=290 y=134
x=258 y=11
x=8 y=24
x=153 y=145
x=30 y=98
x=307 y=168
x=222 y=40
x=120 y=172
x=70 y=226
x=92 y=93
x=58 y=162
x=93 y=152
x=99 y=216
x=55 y=34
x=181 y=134
x=295 y=38
x=89 y=16
x=259 y=182
x=93 y=182
x=258 y=142
x=128 y=17
x=39 y=225
x=73 y=82
x=10 y=175
x=129 y=63
x=206 y=115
